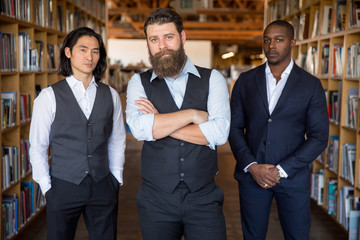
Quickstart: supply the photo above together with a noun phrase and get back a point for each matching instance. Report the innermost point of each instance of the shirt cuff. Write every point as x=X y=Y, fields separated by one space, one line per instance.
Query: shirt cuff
x=282 y=170
x=45 y=186
x=118 y=174
x=211 y=133
x=147 y=121
x=246 y=168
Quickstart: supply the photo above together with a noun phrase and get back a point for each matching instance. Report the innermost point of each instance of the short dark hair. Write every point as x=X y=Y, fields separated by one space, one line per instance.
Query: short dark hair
x=70 y=41
x=282 y=23
x=164 y=15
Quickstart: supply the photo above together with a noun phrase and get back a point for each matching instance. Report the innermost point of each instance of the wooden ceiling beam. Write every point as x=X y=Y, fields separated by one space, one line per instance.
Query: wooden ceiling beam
x=206 y=11
x=229 y=11
x=222 y=32
x=215 y=25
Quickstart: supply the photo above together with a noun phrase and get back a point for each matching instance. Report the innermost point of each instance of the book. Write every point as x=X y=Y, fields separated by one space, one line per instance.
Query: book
x=326 y=19
x=9 y=100
x=315 y=29
x=332 y=193
x=354 y=216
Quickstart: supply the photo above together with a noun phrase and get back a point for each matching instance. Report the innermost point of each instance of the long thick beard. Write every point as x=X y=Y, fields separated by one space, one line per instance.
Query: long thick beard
x=169 y=66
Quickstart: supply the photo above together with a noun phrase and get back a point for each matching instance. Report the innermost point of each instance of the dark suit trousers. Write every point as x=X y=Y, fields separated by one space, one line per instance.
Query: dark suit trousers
x=97 y=201
x=169 y=216
x=293 y=209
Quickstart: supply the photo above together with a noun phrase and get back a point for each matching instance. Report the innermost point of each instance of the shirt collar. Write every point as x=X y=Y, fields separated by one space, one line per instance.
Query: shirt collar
x=286 y=71
x=72 y=81
x=188 y=68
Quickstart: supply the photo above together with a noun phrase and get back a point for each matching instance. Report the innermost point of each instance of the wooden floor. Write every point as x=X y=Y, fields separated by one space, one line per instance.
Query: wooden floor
x=322 y=227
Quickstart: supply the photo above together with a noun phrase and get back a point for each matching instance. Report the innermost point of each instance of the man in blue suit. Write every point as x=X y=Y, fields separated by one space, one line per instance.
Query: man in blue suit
x=279 y=125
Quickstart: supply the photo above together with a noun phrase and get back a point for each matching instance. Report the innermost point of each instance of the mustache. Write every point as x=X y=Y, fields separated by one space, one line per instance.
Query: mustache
x=165 y=51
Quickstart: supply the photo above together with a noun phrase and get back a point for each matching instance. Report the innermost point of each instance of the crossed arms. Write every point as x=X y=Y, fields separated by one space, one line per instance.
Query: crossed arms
x=209 y=128
x=182 y=125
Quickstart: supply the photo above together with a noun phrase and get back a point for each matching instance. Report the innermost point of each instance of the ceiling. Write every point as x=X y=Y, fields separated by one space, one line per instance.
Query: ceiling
x=237 y=22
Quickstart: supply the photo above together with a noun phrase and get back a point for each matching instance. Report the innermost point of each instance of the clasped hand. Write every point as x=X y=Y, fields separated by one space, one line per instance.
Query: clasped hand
x=266 y=175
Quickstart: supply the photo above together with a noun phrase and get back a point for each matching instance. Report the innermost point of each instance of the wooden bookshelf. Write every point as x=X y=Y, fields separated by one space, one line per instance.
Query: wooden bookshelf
x=326 y=32
x=39 y=23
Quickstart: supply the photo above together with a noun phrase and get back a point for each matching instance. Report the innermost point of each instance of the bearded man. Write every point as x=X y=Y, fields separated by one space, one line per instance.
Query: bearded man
x=181 y=112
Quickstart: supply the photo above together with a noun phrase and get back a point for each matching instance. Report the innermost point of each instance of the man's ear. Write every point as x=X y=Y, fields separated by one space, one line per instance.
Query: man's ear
x=67 y=52
x=183 y=36
x=293 y=43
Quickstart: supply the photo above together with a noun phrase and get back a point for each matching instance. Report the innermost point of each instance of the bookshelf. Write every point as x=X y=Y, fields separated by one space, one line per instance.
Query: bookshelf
x=328 y=36
x=31 y=34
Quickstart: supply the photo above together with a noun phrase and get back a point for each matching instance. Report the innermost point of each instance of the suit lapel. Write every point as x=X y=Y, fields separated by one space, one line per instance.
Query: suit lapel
x=289 y=88
x=260 y=79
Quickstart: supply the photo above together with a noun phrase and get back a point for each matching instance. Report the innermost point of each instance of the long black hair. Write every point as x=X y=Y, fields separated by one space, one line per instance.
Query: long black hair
x=70 y=41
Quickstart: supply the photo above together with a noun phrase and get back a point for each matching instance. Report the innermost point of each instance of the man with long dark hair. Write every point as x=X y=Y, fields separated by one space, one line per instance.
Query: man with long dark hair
x=80 y=118
x=182 y=112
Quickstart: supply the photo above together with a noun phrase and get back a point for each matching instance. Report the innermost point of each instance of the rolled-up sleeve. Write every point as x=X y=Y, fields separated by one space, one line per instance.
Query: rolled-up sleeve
x=216 y=130
x=140 y=124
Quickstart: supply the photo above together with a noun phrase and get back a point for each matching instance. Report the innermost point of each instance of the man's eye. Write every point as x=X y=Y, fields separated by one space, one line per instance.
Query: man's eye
x=266 y=41
x=153 y=40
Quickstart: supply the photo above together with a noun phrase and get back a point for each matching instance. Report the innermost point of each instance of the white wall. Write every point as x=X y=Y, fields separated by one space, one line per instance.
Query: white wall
x=132 y=51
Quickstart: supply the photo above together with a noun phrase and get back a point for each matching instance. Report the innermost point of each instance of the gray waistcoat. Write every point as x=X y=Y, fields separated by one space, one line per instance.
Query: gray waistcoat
x=166 y=162
x=79 y=146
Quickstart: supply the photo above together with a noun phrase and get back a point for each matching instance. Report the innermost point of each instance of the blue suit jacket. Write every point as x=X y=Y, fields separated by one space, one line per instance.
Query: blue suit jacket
x=293 y=135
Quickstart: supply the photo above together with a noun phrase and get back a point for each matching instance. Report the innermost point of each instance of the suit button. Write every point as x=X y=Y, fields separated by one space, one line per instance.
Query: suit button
x=182 y=159
x=89 y=140
x=181 y=174
x=182 y=144
x=89 y=156
x=270 y=120
x=87 y=172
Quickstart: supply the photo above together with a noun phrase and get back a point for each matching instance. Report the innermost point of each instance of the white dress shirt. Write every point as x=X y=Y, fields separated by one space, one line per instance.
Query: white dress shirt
x=215 y=130
x=274 y=90
x=43 y=116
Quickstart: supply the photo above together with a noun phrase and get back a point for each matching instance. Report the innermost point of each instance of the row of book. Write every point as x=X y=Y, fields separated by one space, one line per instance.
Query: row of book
x=8 y=48
x=347 y=159
x=30 y=59
x=25 y=107
x=16 y=9
x=334 y=102
x=10 y=166
x=10 y=163
x=309 y=60
x=352 y=108
x=333 y=16
x=354 y=13
x=21 y=10
x=348 y=205
x=8 y=109
x=16 y=211
x=353 y=61
x=97 y=7
x=348 y=162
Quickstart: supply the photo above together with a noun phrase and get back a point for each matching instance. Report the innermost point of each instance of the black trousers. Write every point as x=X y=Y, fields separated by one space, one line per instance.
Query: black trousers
x=293 y=209
x=169 y=216
x=98 y=202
